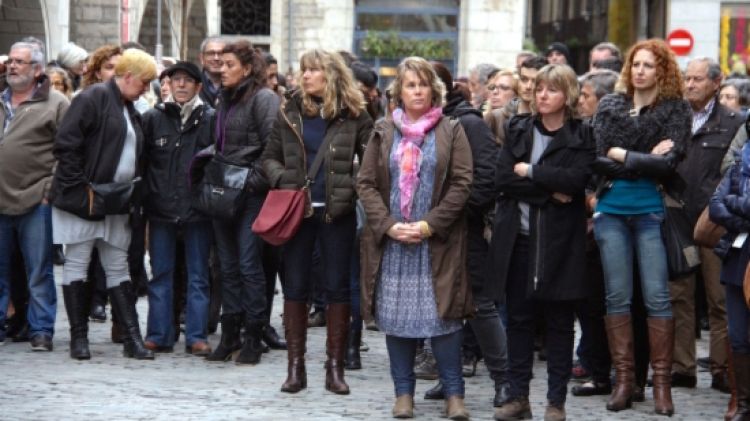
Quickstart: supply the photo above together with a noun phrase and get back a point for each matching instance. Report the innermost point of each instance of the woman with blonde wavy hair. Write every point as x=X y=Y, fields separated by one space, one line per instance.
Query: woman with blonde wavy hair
x=641 y=135
x=327 y=116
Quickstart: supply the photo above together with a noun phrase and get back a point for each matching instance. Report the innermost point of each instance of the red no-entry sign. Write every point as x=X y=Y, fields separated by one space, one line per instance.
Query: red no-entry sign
x=680 y=41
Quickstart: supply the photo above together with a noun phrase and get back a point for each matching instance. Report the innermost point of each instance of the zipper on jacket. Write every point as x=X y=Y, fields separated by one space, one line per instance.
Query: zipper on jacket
x=538 y=235
x=302 y=145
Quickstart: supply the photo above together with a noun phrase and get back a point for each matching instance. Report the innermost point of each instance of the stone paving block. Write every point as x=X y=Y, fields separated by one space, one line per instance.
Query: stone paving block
x=51 y=386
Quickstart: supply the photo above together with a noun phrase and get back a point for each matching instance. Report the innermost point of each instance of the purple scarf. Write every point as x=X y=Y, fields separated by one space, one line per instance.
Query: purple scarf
x=409 y=153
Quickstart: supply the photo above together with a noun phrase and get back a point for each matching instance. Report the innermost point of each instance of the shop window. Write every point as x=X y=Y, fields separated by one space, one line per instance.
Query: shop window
x=386 y=31
x=734 y=40
x=242 y=17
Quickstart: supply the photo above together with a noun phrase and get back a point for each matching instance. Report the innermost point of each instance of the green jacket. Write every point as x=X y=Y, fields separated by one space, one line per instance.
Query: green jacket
x=285 y=162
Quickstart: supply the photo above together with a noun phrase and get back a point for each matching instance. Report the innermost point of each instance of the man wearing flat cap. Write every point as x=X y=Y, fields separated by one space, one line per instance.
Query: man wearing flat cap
x=175 y=131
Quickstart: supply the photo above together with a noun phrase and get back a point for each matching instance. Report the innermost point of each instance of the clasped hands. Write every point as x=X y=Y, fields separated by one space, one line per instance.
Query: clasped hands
x=407 y=232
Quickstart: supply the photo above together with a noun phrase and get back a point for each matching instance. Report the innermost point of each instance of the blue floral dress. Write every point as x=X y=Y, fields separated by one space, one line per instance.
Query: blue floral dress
x=405 y=303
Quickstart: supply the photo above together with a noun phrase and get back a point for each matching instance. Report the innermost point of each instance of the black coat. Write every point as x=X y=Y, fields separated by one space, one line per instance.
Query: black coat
x=245 y=119
x=557 y=231
x=89 y=143
x=705 y=150
x=484 y=154
x=169 y=149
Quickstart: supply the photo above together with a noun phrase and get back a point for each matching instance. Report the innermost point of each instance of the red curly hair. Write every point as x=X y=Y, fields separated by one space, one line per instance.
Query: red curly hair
x=668 y=75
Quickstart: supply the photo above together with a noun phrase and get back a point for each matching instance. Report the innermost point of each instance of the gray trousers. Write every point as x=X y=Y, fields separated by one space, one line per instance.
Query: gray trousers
x=78 y=256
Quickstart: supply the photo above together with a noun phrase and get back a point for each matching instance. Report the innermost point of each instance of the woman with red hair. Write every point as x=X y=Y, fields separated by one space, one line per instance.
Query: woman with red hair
x=641 y=134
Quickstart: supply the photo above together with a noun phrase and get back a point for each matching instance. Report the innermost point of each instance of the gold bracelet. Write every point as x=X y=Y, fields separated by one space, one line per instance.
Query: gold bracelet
x=425 y=228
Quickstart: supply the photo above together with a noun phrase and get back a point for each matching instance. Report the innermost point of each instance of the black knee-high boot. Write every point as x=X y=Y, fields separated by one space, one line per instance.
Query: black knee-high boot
x=123 y=302
x=76 y=300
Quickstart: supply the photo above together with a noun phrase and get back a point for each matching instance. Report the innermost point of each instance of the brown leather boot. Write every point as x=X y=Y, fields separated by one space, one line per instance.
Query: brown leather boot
x=337 y=317
x=295 y=331
x=661 y=342
x=742 y=381
x=732 y=407
x=620 y=338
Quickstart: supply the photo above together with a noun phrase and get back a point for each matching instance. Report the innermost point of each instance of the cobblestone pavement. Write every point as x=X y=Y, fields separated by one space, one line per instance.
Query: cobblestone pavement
x=51 y=386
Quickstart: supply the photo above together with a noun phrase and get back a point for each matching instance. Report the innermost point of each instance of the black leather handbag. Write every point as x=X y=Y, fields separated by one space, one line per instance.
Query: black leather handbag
x=219 y=191
x=110 y=198
x=683 y=257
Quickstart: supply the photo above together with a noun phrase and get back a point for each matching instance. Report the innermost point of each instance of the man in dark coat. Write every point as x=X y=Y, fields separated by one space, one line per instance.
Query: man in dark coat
x=174 y=132
x=211 y=50
x=714 y=126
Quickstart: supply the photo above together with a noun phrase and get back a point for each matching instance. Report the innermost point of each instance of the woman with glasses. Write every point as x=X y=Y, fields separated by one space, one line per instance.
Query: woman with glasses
x=98 y=147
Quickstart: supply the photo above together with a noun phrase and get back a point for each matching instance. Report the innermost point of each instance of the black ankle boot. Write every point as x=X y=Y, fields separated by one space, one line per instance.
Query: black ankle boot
x=76 y=305
x=353 y=360
x=252 y=348
x=230 y=337
x=271 y=337
x=123 y=302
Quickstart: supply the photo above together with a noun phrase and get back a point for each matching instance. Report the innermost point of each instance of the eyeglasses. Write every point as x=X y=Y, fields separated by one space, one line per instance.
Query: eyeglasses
x=213 y=53
x=500 y=86
x=18 y=62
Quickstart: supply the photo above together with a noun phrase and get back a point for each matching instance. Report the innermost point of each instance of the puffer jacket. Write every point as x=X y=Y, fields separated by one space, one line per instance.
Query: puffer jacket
x=169 y=149
x=285 y=161
x=244 y=121
x=730 y=208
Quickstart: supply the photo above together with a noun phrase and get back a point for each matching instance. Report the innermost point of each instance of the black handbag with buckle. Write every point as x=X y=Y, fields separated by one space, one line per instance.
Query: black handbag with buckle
x=219 y=188
x=110 y=198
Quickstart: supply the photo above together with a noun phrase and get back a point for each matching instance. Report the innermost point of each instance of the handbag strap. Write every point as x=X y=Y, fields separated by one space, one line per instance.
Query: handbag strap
x=315 y=167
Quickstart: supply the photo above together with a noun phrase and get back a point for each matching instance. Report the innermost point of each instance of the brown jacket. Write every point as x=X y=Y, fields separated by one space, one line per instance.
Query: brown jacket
x=446 y=219
x=26 y=160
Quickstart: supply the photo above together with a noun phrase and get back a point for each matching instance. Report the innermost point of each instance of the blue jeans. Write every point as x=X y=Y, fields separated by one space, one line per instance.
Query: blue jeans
x=447 y=351
x=336 y=241
x=162 y=247
x=34 y=232
x=243 y=281
x=738 y=320
x=618 y=236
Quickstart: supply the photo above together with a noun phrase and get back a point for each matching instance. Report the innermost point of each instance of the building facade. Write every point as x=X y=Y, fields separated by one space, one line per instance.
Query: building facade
x=461 y=33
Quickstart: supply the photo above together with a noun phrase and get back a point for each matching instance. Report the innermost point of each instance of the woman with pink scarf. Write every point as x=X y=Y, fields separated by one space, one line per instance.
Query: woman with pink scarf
x=414 y=182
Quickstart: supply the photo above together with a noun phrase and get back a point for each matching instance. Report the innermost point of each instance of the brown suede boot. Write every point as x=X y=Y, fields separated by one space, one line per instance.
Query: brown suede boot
x=455 y=408
x=732 y=406
x=620 y=337
x=661 y=342
x=295 y=331
x=337 y=317
x=404 y=407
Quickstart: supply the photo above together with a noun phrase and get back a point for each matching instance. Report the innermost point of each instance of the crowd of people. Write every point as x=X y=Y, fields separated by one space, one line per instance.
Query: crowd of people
x=467 y=218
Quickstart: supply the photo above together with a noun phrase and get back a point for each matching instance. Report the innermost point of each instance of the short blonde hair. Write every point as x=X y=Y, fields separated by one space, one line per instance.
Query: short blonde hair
x=562 y=77
x=426 y=72
x=139 y=63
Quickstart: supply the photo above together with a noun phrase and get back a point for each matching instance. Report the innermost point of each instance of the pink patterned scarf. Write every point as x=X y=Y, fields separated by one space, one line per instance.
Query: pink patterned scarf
x=409 y=153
